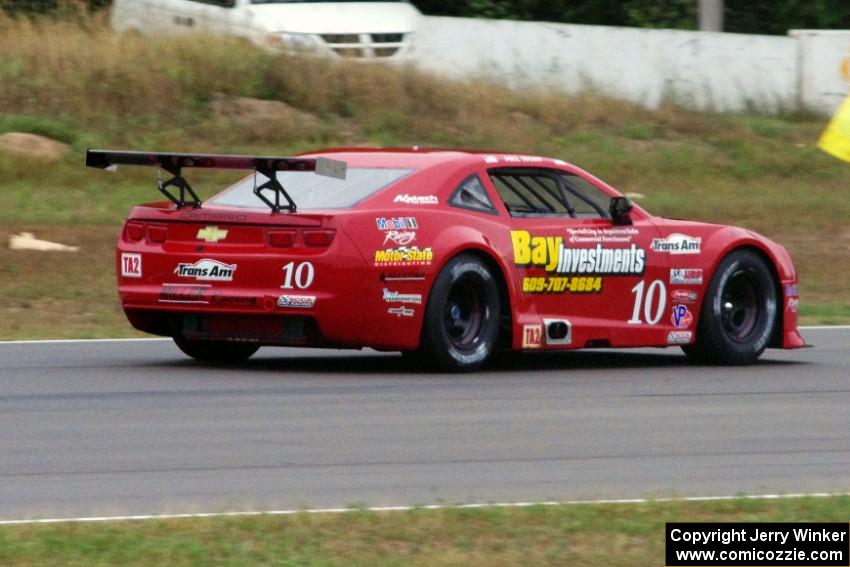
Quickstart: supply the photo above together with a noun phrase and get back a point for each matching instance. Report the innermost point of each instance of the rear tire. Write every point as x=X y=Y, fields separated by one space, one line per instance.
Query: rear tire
x=739 y=312
x=461 y=323
x=216 y=351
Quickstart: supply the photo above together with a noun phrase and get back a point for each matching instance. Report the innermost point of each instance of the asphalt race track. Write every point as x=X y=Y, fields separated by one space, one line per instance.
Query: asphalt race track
x=135 y=427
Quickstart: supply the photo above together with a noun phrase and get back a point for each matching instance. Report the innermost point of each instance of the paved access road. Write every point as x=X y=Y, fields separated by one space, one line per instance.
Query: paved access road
x=135 y=427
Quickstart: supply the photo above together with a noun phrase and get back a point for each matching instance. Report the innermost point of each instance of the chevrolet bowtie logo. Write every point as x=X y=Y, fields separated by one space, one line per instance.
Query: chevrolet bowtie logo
x=211 y=234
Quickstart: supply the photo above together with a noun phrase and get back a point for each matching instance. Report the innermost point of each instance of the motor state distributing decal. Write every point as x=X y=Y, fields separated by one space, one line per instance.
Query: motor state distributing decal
x=677 y=244
x=686 y=276
x=183 y=293
x=417 y=199
x=206 y=270
x=404 y=256
x=552 y=255
x=296 y=301
x=131 y=265
x=396 y=297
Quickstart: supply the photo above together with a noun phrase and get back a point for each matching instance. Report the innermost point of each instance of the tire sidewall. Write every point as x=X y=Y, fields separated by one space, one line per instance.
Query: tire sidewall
x=724 y=348
x=435 y=340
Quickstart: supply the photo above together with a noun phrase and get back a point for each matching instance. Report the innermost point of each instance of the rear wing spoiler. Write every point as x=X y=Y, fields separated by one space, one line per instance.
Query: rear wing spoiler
x=174 y=164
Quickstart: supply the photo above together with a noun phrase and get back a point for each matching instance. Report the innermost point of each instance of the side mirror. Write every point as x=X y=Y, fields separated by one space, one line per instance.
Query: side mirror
x=620 y=209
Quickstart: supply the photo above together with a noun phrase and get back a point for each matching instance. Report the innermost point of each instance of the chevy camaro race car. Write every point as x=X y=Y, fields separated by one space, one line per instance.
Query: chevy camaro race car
x=448 y=256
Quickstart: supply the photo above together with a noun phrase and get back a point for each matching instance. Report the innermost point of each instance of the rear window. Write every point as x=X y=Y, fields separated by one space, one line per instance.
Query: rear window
x=311 y=191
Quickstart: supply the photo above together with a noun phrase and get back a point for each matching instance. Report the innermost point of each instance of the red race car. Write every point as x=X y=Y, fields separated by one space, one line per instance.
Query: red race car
x=447 y=256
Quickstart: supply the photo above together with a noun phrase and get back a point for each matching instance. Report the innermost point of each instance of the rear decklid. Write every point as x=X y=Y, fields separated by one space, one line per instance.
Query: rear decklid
x=230 y=272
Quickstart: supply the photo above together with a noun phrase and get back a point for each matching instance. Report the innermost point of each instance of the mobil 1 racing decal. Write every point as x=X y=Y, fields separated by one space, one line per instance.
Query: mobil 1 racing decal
x=577 y=270
x=206 y=270
x=399 y=231
x=404 y=256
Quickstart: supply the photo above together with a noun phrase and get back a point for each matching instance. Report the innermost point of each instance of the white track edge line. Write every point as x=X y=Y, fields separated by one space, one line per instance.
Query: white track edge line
x=293 y=512
x=154 y=339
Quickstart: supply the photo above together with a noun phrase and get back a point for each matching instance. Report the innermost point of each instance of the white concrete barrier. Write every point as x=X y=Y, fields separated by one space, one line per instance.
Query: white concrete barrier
x=824 y=68
x=704 y=70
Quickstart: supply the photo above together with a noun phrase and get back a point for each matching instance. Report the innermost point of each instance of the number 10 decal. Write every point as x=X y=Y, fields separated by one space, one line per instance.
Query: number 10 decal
x=650 y=315
x=303 y=272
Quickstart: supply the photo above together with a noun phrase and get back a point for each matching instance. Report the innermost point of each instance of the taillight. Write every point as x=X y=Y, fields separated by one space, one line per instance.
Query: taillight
x=135 y=231
x=282 y=238
x=157 y=233
x=318 y=237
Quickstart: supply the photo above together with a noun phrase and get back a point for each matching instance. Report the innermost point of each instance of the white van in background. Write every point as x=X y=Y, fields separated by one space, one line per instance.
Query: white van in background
x=359 y=28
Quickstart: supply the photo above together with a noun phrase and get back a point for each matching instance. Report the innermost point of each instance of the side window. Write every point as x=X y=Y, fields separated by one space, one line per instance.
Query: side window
x=538 y=192
x=591 y=202
x=470 y=194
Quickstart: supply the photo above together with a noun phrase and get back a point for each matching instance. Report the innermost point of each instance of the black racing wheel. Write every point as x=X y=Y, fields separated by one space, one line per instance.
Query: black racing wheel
x=216 y=351
x=739 y=312
x=461 y=323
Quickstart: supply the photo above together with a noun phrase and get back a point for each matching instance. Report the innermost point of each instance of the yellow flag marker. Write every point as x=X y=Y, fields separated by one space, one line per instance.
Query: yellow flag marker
x=835 y=140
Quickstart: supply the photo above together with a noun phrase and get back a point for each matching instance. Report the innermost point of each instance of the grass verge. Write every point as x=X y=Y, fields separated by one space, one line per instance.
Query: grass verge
x=592 y=534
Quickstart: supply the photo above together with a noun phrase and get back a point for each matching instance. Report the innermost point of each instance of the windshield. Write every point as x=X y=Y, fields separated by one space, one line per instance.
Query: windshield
x=311 y=191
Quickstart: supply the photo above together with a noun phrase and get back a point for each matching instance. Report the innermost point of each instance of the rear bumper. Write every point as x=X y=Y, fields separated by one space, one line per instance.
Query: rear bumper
x=265 y=329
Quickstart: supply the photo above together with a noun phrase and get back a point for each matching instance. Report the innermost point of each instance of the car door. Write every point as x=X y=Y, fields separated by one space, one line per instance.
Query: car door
x=576 y=268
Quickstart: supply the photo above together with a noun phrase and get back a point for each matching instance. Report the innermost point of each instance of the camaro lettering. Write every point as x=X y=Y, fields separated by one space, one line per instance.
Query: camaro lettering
x=550 y=253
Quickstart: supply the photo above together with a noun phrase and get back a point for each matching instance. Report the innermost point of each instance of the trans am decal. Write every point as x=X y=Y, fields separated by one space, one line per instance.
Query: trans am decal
x=552 y=255
x=677 y=244
x=206 y=270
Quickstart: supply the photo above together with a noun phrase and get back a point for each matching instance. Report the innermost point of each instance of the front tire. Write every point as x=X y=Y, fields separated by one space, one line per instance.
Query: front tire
x=216 y=351
x=739 y=312
x=461 y=325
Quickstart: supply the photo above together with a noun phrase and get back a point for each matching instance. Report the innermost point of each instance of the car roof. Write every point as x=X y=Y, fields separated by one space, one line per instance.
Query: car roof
x=422 y=158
